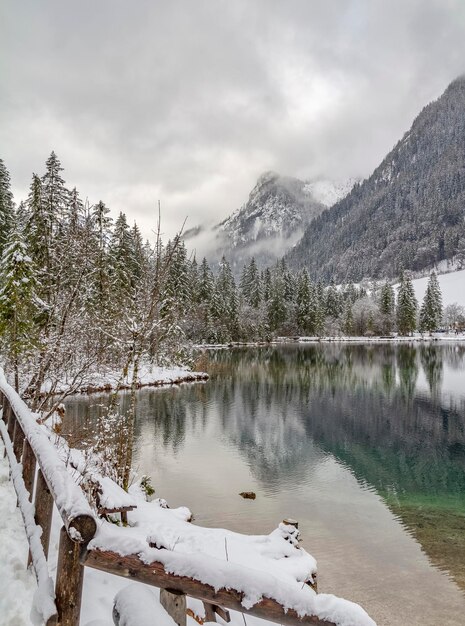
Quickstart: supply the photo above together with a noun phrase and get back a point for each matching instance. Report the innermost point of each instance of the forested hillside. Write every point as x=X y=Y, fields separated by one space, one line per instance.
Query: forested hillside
x=409 y=214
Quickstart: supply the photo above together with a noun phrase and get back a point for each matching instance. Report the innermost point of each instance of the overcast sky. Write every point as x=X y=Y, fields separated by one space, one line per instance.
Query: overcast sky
x=187 y=102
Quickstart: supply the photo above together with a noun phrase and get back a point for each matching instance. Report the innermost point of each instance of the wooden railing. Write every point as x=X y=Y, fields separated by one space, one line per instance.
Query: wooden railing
x=46 y=481
x=43 y=480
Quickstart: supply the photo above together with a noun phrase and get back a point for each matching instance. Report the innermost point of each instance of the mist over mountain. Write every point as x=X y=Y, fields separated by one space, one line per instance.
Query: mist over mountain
x=271 y=221
x=409 y=214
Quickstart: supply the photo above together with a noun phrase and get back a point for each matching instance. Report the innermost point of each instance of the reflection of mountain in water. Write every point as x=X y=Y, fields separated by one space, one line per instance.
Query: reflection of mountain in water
x=361 y=404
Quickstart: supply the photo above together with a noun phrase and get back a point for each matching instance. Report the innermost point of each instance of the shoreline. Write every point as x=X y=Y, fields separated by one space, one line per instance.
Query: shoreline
x=342 y=339
x=108 y=387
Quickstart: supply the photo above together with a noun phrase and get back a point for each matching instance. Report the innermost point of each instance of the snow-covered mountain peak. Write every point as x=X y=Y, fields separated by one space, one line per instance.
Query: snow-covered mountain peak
x=274 y=217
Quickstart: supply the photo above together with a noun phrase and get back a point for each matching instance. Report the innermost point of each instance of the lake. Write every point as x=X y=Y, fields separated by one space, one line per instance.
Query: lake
x=363 y=444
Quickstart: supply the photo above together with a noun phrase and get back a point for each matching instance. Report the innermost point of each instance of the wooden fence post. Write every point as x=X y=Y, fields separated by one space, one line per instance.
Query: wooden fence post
x=29 y=467
x=44 y=510
x=11 y=420
x=18 y=440
x=69 y=581
x=174 y=603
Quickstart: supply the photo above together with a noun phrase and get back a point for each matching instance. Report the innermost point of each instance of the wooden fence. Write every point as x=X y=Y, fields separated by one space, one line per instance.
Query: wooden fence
x=44 y=481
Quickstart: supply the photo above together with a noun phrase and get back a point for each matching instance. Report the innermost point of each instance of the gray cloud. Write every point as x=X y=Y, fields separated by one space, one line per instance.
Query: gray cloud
x=188 y=102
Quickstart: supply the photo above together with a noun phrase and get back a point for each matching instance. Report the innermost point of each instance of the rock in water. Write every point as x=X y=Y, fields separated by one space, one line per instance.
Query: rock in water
x=248 y=495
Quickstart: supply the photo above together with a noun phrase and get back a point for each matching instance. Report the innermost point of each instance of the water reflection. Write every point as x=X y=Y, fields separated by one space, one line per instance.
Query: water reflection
x=393 y=415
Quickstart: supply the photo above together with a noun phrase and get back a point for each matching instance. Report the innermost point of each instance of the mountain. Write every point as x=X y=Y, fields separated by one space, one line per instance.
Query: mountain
x=271 y=221
x=408 y=214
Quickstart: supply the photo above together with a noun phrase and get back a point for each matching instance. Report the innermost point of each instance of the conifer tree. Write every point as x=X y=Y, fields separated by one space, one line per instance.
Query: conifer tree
x=226 y=300
x=119 y=255
x=18 y=302
x=348 y=319
x=6 y=206
x=266 y=284
x=277 y=304
x=250 y=285
x=406 y=306
x=55 y=196
x=333 y=302
x=303 y=302
x=431 y=308
x=177 y=286
x=387 y=306
x=37 y=233
x=205 y=282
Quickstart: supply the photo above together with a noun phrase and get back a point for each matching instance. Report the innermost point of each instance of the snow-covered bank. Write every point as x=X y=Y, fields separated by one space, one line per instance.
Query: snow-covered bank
x=416 y=337
x=107 y=379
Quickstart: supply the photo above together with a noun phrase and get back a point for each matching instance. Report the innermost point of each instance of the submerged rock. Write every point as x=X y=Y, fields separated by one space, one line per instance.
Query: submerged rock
x=249 y=495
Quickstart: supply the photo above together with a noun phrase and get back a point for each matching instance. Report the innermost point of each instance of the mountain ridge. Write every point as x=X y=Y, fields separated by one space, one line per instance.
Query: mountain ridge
x=272 y=219
x=409 y=214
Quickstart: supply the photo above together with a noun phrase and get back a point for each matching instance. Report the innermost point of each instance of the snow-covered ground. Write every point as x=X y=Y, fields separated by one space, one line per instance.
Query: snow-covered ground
x=452 y=287
x=17 y=585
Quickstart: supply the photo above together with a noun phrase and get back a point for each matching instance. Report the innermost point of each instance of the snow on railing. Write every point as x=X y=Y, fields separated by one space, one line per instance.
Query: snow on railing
x=220 y=583
x=78 y=517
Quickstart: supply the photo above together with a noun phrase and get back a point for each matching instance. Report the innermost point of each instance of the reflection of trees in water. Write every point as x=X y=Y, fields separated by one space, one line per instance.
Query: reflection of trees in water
x=169 y=411
x=359 y=398
x=407 y=365
x=361 y=405
x=431 y=360
x=274 y=402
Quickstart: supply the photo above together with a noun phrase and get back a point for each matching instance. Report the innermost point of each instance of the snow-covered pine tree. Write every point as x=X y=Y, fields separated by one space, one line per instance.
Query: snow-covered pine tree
x=6 y=206
x=333 y=302
x=55 y=196
x=250 y=284
x=266 y=284
x=177 y=290
x=227 y=301
x=303 y=302
x=276 y=308
x=350 y=293
x=101 y=226
x=406 y=313
x=119 y=258
x=193 y=272
x=205 y=282
x=431 y=308
x=387 y=307
x=37 y=235
x=348 y=318
x=19 y=304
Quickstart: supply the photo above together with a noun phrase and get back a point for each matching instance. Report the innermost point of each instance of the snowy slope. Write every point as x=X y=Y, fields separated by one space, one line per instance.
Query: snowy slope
x=329 y=192
x=452 y=287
